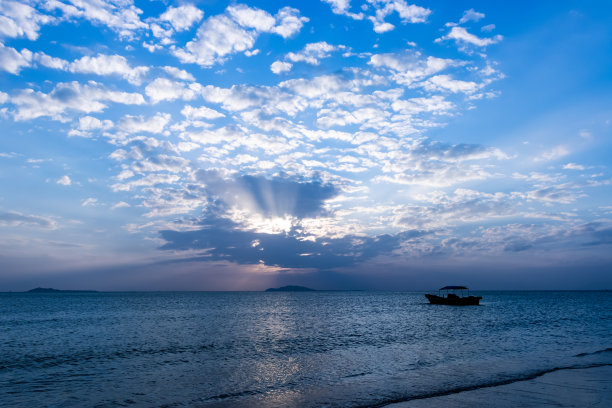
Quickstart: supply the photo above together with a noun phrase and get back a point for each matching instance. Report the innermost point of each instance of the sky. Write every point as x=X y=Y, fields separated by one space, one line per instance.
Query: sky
x=336 y=144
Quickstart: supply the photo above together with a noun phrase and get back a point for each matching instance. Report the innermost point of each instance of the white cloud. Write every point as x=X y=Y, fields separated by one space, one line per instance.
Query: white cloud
x=17 y=219
x=236 y=31
x=563 y=194
x=13 y=61
x=278 y=67
x=288 y=22
x=90 y=202
x=249 y=17
x=21 y=20
x=408 y=13
x=488 y=27
x=179 y=73
x=410 y=68
x=120 y=16
x=64 y=181
x=50 y=62
x=313 y=52
x=69 y=96
x=573 y=166
x=152 y=179
x=321 y=86
x=120 y=204
x=461 y=36
x=109 y=65
x=438 y=209
x=447 y=83
x=381 y=27
x=554 y=153
x=89 y=123
x=342 y=7
x=3 y=97
x=183 y=17
x=136 y=124
x=202 y=112
x=471 y=15
x=218 y=37
x=163 y=89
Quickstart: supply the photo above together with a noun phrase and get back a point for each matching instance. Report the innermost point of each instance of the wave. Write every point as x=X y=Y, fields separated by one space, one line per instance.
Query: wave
x=606 y=350
x=457 y=390
x=31 y=362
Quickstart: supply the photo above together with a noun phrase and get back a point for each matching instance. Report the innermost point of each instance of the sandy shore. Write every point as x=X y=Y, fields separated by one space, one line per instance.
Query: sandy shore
x=588 y=387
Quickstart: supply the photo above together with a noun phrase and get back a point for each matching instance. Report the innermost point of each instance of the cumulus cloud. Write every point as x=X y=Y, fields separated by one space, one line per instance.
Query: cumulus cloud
x=221 y=239
x=13 y=61
x=448 y=83
x=64 y=181
x=407 y=13
x=136 y=124
x=278 y=67
x=462 y=37
x=50 y=62
x=183 y=17
x=69 y=96
x=471 y=15
x=288 y=22
x=411 y=67
x=179 y=73
x=163 y=89
x=120 y=16
x=249 y=17
x=217 y=37
x=87 y=124
x=437 y=164
x=269 y=197
x=21 y=20
x=202 y=112
x=236 y=31
x=343 y=7
x=109 y=65
x=438 y=209
x=313 y=52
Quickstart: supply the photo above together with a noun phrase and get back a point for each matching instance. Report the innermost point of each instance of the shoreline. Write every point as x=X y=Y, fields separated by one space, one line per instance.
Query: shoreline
x=571 y=387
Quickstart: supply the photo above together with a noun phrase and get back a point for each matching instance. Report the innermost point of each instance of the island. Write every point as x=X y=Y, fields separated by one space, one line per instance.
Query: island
x=51 y=290
x=291 y=288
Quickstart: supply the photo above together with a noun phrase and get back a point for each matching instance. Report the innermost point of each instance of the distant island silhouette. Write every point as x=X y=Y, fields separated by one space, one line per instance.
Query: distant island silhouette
x=291 y=288
x=52 y=290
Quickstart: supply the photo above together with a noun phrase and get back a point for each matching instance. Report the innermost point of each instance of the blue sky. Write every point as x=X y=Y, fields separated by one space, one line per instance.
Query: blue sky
x=376 y=144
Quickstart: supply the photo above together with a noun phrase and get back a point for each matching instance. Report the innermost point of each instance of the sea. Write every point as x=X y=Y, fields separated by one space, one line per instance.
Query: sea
x=286 y=349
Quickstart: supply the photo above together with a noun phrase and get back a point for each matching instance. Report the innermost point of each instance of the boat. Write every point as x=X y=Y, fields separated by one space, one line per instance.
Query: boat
x=449 y=297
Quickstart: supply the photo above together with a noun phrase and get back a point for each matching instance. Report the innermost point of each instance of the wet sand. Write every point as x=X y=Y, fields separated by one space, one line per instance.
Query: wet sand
x=585 y=387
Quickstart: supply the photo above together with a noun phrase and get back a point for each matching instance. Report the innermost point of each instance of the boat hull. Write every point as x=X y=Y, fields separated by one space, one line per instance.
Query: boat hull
x=454 y=300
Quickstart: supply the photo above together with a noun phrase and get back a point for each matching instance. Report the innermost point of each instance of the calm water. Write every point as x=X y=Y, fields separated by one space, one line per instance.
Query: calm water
x=254 y=349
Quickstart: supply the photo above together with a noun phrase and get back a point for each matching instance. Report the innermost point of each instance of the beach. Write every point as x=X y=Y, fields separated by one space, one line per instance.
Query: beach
x=586 y=387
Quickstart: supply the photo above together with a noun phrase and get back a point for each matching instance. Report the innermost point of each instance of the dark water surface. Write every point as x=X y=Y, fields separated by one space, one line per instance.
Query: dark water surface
x=250 y=349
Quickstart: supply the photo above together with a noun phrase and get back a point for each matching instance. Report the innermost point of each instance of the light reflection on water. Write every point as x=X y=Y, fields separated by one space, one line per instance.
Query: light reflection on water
x=283 y=349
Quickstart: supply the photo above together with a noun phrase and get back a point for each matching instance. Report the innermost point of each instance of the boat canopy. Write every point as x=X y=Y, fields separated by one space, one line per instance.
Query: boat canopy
x=453 y=287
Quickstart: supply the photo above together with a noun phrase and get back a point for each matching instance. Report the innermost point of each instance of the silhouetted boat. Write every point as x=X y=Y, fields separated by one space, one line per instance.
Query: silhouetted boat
x=450 y=298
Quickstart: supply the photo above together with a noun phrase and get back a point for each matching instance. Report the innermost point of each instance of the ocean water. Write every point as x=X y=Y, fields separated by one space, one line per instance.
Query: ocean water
x=256 y=349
